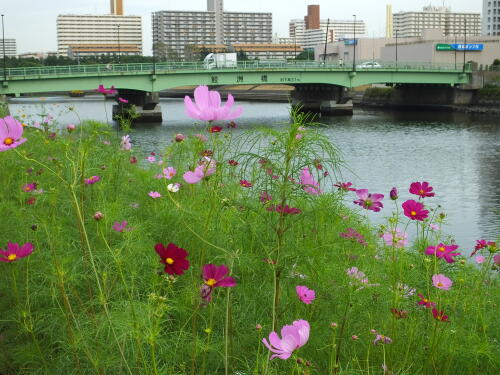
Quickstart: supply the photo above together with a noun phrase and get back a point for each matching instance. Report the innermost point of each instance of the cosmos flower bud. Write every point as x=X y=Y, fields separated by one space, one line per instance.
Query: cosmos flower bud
x=98 y=215
x=393 y=193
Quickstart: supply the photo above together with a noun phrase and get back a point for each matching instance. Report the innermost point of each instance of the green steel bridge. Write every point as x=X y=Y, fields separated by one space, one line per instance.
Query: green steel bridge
x=161 y=76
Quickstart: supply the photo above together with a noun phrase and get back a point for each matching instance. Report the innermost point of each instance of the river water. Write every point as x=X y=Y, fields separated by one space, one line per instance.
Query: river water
x=459 y=154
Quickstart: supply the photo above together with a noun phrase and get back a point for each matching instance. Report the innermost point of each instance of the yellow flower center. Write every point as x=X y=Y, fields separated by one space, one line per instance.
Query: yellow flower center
x=12 y=257
x=8 y=141
x=421 y=191
x=211 y=282
x=441 y=248
x=438 y=317
x=440 y=284
x=413 y=213
x=426 y=300
x=169 y=261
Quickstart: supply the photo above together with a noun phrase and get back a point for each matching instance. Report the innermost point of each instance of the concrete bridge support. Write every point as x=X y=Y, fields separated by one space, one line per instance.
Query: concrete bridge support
x=146 y=103
x=322 y=98
x=430 y=96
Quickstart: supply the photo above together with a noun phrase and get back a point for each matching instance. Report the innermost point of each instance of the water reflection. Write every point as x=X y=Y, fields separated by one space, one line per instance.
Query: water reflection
x=459 y=154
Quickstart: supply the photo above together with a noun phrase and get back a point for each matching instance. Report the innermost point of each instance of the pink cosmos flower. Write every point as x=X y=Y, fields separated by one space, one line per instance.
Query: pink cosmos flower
x=441 y=282
x=381 y=339
x=121 y=100
x=11 y=132
x=287 y=210
x=422 y=189
x=311 y=186
x=425 y=302
x=70 y=127
x=353 y=234
x=207 y=106
x=125 y=144
x=496 y=259
x=434 y=227
x=15 y=252
x=169 y=172
x=111 y=91
x=346 y=186
x=265 y=197
x=92 y=180
x=154 y=194
x=369 y=201
x=354 y=337
x=442 y=251
x=292 y=338
x=397 y=238
x=151 y=159
x=213 y=277
x=305 y=294
x=414 y=210
x=481 y=244
x=205 y=169
x=201 y=137
x=480 y=259
x=179 y=137
x=121 y=227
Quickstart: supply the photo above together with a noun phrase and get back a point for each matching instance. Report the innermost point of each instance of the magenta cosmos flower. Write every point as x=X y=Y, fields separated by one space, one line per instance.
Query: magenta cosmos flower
x=305 y=294
x=425 y=301
x=121 y=227
x=207 y=106
x=286 y=210
x=369 y=201
x=111 y=91
x=311 y=186
x=414 y=210
x=154 y=194
x=345 y=186
x=422 y=189
x=292 y=337
x=442 y=251
x=11 y=132
x=173 y=257
x=15 y=252
x=439 y=315
x=92 y=180
x=441 y=282
x=213 y=277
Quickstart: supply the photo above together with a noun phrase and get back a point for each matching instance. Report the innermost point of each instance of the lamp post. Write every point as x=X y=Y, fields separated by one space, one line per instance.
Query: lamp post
x=119 y=51
x=326 y=40
x=354 y=45
x=295 y=42
x=4 y=57
x=465 y=39
x=396 y=49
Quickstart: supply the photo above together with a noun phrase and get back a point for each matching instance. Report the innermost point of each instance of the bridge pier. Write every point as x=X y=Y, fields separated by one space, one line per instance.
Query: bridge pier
x=321 y=98
x=146 y=104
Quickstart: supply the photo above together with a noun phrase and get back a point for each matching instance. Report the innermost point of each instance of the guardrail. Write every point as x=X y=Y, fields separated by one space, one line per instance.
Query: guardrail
x=165 y=67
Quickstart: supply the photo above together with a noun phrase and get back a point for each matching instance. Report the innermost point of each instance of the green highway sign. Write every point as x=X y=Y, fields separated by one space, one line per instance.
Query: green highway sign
x=444 y=47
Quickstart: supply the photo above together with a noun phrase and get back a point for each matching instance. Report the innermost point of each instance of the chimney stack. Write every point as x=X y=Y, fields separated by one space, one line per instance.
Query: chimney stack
x=116 y=7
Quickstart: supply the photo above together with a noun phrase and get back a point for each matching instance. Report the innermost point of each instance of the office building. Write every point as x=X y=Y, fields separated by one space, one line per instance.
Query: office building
x=491 y=17
x=411 y=24
x=175 y=33
x=10 y=48
x=85 y=35
x=312 y=30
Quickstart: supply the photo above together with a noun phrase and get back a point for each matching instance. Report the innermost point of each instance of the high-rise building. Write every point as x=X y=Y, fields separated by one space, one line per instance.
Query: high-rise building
x=388 y=21
x=176 y=33
x=10 y=48
x=116 y=7
x=88 y=35
x=491 y=17
x=217 y=6
x=411 y=24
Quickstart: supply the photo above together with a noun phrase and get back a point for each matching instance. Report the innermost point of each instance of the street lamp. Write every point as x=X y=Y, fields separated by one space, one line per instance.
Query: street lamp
x=326 y=40
x=4 y=57
x=396 y=49
x=354 y=45
x=119 y=52
x=465 y=39
x=295 y=43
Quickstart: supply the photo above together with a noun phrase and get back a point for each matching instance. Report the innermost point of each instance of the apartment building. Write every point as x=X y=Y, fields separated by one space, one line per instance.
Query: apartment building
x=10 y=48
x=337 y=29
x=86 y=35
x=176 y=32
x=411 y=24
x=491 y=17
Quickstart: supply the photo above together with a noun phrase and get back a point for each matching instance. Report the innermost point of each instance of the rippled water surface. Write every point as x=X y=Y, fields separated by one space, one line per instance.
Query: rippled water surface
x=458 y=154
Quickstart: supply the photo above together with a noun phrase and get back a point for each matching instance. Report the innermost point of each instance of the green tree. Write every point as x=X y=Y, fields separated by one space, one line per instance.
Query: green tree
x=242 y=56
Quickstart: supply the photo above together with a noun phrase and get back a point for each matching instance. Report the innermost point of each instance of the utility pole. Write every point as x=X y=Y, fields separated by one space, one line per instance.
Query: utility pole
x=119 y=51
x=354 y=45
x=4 y=57
x=326 y=39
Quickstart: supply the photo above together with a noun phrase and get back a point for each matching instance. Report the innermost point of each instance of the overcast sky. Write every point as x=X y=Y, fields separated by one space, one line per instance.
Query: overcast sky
x=33 y=22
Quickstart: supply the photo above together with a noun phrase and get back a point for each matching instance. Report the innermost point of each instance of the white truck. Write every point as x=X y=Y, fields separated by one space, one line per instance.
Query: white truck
x=220 y=60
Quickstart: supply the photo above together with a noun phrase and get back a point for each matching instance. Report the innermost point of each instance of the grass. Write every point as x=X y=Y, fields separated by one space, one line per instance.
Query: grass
x=91 y=300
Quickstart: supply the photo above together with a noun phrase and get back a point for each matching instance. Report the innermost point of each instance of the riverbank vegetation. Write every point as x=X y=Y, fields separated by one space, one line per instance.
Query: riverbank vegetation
x=186 y=260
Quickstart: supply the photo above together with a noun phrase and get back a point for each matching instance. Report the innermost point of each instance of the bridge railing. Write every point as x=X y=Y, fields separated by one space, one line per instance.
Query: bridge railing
x=164 y=67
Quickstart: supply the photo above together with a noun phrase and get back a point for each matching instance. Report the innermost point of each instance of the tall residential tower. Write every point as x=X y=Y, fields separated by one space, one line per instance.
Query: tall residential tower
x=491 y=17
